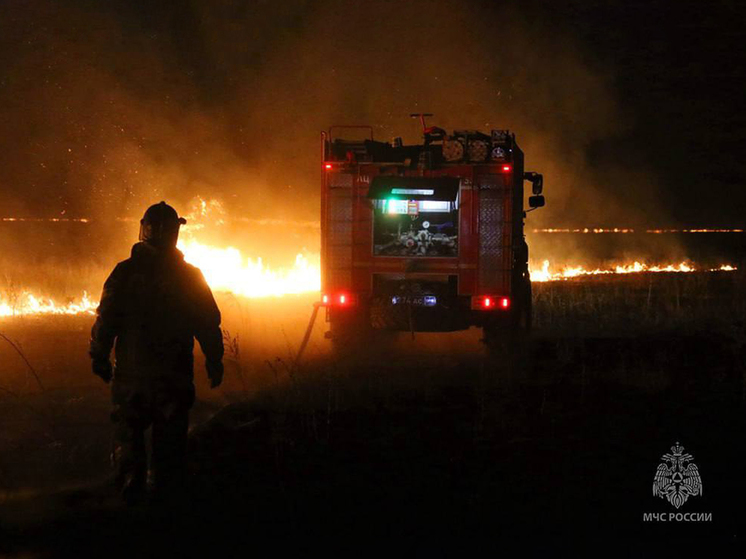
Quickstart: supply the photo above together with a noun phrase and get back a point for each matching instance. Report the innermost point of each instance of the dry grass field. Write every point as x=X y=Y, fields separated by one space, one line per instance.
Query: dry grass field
x=430 y=443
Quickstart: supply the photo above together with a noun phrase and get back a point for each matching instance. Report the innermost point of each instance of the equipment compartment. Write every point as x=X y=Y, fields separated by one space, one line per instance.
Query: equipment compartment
x=403 y=227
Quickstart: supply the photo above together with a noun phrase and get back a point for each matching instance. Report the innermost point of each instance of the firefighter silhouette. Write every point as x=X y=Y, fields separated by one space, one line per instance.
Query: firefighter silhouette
x=153 y=306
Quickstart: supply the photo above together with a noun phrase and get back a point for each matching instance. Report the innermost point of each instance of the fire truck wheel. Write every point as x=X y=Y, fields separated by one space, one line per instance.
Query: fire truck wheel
x=354 y=338
x=526 y=313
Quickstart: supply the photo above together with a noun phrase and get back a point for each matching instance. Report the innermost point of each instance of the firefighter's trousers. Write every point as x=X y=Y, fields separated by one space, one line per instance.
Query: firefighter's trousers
x=141 y=405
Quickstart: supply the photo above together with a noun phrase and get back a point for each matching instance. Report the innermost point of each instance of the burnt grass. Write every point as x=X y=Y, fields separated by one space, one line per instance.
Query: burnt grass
x=420 y=452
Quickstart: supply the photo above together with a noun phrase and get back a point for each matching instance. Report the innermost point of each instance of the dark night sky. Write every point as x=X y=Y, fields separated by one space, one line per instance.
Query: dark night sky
x=679 y=69
x=633 y=110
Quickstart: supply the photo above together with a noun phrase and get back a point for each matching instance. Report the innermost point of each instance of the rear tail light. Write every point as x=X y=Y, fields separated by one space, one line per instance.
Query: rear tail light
x=489 y=303
x=341 y=299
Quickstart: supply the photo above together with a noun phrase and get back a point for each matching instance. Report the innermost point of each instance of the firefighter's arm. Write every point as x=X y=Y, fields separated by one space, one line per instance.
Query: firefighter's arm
x=208 y=332
x=107 y=324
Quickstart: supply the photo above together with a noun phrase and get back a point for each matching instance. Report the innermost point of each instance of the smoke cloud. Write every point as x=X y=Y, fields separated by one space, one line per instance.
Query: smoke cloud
x=110 y=107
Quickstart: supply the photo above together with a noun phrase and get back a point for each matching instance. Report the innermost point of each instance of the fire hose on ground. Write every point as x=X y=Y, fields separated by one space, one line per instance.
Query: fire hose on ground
x=307 y=335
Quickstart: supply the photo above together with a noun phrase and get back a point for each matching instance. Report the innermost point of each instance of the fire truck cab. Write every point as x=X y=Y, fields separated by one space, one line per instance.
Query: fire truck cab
x=426 y=237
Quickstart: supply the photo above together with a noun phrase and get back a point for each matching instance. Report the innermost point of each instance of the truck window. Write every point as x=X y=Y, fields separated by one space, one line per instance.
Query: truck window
x=410 y=228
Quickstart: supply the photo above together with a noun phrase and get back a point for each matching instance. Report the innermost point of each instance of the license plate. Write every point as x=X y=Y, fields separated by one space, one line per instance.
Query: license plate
x=415 y=300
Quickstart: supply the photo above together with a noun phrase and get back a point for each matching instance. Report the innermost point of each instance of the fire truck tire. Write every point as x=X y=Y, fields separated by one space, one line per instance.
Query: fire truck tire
x=354 y=337
x=525 y=317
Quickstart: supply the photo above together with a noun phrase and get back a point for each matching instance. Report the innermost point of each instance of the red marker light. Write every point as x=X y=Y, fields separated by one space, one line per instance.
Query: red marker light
x=489 y=303
x=328 y=166
x=325 y=299
x=342 y=299
x=506 y=168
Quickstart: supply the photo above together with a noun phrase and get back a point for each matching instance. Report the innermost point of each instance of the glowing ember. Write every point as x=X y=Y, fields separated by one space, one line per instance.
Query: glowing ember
x=569 y=272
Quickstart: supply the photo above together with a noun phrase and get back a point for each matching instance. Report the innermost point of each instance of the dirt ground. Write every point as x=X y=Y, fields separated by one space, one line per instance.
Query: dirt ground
x=429 y=448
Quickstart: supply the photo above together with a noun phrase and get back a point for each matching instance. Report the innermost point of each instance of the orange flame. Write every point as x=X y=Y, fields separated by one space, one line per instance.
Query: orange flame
x=596 y=230
x=226 y=269
x=546 y=273
x=29 y=304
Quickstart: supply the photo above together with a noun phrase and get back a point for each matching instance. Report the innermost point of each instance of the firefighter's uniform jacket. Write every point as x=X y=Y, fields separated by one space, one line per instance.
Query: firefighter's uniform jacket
x=153 y=306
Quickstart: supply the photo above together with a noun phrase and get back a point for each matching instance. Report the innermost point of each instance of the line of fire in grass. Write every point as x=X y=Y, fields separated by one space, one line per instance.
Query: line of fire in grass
x=228 y=271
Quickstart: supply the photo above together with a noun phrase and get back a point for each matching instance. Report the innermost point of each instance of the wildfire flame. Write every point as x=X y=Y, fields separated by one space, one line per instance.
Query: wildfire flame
x=226 y=269
x=27 y=303
x=568 y=272
x=597 y=230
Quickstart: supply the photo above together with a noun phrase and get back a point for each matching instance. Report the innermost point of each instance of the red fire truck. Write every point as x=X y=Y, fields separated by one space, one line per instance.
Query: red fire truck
x=426 y=237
